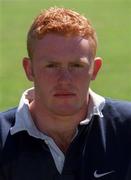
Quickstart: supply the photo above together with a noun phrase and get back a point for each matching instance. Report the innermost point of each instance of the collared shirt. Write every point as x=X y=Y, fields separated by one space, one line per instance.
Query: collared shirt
x=25 y=122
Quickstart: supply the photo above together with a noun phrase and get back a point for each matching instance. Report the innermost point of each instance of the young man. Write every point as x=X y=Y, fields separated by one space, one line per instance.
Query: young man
x=61 y=129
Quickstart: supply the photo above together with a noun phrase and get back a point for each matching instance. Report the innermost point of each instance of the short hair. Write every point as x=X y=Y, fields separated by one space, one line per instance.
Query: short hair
x=64 y=22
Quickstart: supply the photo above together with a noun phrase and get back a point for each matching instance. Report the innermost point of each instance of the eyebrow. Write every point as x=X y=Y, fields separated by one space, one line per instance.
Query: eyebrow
x=55 y=61
x=51 y=61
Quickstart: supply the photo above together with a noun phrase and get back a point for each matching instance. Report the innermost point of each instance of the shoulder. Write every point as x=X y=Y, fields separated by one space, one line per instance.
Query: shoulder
x=8 y=112
x=7 y=119
x=117 y=107
x=117 y=116
x=8 y=116
x=117 y=113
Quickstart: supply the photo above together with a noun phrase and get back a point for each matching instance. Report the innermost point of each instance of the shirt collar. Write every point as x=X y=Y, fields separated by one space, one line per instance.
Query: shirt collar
x=96 y=104
x=24 y=121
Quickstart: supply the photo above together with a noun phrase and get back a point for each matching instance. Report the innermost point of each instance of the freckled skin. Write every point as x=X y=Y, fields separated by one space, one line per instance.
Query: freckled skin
x=61 y=71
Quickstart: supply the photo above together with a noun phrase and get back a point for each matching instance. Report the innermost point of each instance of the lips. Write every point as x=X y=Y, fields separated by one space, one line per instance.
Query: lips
x=64 y=94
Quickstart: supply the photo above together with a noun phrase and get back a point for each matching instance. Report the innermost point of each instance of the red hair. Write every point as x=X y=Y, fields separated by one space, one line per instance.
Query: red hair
x=64 y=22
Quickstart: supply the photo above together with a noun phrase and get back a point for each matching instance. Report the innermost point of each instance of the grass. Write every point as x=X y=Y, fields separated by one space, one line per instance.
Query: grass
x=111 y=19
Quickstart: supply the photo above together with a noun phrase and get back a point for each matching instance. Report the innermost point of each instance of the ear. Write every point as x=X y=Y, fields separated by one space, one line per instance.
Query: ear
x=27 y=65
x=97 y=66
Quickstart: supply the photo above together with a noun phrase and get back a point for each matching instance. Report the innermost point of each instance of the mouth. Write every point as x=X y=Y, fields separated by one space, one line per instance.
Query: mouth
x=64 y=95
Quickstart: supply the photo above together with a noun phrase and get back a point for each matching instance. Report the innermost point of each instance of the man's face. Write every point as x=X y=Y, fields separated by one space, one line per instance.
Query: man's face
x=61 y=71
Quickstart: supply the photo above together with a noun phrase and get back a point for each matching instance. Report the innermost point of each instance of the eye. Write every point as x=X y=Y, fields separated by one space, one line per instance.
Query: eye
x=77 y=65
x=51 y=65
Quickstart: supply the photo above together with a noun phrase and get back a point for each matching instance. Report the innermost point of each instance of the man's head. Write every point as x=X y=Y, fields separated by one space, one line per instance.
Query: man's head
x=64 y=22
x=61 y=63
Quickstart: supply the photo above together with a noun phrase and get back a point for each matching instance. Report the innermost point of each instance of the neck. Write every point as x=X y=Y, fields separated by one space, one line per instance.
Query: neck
x=61 y=128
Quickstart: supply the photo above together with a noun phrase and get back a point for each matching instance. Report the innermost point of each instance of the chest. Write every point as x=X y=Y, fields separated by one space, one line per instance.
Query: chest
x=88 y=157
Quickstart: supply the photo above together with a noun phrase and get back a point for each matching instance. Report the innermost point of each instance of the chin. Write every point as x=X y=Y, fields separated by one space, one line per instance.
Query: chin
x=66 y=111
x=62 y=113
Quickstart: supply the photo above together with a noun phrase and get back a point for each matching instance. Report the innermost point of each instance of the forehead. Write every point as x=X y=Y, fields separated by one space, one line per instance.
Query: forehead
x=56 y=46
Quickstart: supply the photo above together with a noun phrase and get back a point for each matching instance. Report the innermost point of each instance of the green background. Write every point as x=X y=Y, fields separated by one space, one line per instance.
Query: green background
x=112 y=21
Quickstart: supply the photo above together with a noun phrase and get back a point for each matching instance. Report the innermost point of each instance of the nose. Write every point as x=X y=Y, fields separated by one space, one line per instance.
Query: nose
x=64 y=75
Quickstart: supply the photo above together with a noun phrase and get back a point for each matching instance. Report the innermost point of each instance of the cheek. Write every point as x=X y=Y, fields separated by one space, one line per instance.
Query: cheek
x=84 y=78
x=83 y=83
x=44 y=81
x=41 y=75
